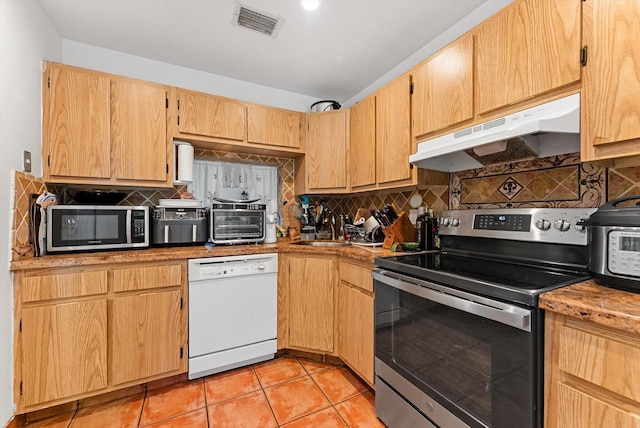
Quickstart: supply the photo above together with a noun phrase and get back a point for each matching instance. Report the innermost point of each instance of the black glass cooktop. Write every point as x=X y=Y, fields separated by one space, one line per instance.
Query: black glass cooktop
x=514 y=282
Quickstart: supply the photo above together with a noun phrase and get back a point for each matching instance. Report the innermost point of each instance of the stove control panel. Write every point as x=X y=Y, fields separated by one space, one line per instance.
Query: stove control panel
x=561 y=225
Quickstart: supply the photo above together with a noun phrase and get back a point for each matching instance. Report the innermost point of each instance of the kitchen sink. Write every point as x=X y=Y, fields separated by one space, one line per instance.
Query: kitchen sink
x=322 y=243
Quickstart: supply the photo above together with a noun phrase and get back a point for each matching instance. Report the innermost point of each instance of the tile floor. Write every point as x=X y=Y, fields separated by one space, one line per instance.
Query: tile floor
x=286 y=392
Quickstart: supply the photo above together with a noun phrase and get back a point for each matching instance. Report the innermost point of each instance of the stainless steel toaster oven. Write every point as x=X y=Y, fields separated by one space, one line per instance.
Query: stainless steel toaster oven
x=237 y=223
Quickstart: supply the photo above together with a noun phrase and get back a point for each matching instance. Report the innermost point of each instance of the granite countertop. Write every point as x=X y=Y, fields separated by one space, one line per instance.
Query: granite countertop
x=359 y=253
x=589 y=301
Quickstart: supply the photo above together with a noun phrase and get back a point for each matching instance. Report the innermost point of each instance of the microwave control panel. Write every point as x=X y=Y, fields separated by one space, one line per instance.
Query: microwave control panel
x=138 y=223
x=623 y=255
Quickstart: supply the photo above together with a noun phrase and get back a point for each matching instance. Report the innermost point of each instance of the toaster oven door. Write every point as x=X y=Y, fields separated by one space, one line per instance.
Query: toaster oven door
x=237 y=225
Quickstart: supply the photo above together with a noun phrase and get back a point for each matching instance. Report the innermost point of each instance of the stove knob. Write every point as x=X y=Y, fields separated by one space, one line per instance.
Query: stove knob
x=455 y=222
x=444 y=221
x=543 y=224
x=562 y=225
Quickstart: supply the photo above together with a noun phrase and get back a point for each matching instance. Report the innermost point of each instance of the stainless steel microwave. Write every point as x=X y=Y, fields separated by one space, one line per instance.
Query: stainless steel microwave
x=96 y=227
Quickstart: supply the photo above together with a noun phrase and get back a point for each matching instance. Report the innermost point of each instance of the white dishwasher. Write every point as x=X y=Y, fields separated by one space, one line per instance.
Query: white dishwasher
x=232 y=312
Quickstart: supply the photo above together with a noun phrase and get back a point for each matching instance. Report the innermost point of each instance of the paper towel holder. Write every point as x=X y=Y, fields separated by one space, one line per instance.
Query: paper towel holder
x=182 y=162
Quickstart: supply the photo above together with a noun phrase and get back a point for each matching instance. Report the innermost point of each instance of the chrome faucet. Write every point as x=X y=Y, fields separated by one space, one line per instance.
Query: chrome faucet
x=330 y=218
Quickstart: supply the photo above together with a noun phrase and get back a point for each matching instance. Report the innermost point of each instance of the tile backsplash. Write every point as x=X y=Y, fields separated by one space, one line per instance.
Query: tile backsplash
x=557 y=181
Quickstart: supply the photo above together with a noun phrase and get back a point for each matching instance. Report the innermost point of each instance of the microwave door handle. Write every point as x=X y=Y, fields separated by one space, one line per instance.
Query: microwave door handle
x=194 y=232
x=496 y=311
x=128 y=227
x=166 y=233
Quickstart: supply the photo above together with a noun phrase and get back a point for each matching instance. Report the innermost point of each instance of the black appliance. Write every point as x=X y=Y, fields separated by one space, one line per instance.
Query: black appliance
x=179 y=226
x=458 y=334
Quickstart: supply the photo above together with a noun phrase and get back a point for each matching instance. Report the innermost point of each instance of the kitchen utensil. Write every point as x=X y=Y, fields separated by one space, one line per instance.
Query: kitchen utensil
x=370 y=225
x=325 y=105
x=404 y=246
x=416 y=200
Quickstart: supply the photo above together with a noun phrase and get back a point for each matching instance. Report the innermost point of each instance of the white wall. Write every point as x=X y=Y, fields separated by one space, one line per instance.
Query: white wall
x=109 y=61
x=483 y=12
x=26 y=37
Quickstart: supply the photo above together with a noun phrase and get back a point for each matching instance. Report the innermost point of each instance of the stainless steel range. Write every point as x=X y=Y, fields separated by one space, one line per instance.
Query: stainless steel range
x=458 y=335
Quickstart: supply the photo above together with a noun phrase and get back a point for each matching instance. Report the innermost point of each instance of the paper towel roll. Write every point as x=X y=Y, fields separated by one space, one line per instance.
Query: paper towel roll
x=185 y=163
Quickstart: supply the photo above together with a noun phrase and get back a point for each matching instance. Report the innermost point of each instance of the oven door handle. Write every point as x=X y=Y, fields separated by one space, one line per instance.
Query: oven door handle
x=503 y=313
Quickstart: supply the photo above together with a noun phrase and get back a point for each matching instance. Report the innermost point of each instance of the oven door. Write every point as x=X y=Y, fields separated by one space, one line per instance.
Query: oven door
x=460 y=359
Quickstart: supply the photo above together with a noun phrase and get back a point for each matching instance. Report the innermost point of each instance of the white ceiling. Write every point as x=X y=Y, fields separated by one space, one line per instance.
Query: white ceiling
x=331 y=53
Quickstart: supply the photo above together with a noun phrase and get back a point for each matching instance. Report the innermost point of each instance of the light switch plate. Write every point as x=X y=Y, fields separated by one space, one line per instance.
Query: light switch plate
x=26 y=160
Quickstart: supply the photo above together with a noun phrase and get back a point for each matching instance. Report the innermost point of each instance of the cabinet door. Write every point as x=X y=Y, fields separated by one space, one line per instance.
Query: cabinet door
x=393 y=132
x=145 y=336
x=64 y=350
x=362 y=144
x=311 y=292
x=611 y=87
x=578 y=410
x=139 y=130
x=210 y=116
x=327 y=150
x=76 y=124
x=355 y=311
x=529 y=48
x=443 y=88
x=273 y=127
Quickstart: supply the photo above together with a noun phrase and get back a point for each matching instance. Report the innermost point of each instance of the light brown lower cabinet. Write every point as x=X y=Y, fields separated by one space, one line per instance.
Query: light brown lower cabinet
x=592 y=375
x=82 y=331
x=355 y=318
x=311 y=287
x=325 y=306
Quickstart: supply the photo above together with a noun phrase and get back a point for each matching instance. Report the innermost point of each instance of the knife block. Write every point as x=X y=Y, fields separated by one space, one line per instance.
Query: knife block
x=402 y=230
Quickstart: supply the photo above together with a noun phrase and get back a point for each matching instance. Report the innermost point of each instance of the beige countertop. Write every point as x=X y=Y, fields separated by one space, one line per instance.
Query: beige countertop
x=589 y=301
x=364 y=254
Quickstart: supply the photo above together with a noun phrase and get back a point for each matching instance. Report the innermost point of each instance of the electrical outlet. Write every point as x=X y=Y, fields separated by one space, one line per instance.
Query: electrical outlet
x=26 y=160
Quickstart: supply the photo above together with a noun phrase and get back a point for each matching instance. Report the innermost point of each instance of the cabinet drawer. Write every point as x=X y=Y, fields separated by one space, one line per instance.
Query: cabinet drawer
x=609 y=362
x=356 y=275
x=61 y=286
x=579 y=410
x=142 y=278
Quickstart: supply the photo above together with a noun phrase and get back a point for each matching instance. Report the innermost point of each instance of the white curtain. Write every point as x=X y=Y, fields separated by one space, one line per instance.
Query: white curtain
x=230 y=180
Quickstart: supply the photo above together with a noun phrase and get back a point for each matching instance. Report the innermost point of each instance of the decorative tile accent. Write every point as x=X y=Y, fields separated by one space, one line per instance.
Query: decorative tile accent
x=510 y=188
x=25 y=185
x=556 y=181
x=624 y=182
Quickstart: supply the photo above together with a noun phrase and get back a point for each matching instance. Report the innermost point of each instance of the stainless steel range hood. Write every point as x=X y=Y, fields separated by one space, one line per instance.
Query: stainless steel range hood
x=545 y=130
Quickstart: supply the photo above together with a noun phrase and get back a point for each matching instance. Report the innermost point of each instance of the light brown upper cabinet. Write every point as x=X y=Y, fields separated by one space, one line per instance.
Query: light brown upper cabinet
x=139 y=130
x=393 y=133
x=443 y=88
x=362 y=144
x=273 y=127
x=326 y=158
x=529 y=48
x=205 y=115
x=610 y=126
x=103 y=129
x=76 y=124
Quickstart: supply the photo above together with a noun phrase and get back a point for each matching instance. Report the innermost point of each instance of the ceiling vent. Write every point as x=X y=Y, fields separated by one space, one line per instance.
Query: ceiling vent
x=257 y=21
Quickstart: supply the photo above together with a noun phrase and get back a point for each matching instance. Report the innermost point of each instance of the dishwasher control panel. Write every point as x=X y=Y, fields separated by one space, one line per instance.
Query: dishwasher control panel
x=233 y=266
